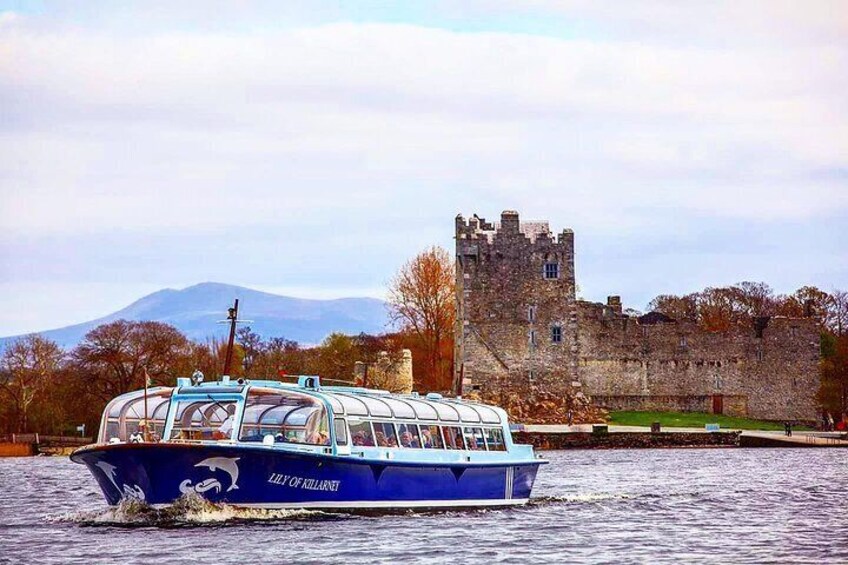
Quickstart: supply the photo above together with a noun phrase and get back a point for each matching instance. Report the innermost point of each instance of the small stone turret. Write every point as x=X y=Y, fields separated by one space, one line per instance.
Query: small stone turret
x=392 y=372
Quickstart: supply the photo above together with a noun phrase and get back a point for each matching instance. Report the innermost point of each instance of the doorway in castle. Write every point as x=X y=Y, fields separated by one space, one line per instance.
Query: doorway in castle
x=718 y=404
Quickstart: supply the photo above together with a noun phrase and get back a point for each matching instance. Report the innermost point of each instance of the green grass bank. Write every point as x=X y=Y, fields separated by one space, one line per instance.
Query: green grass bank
x=693 y=420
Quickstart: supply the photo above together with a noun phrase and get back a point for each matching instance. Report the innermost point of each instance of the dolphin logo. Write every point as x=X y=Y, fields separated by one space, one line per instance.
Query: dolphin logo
x=226 y=464
x=201 y=487
x=129 y=491
x=109 y=470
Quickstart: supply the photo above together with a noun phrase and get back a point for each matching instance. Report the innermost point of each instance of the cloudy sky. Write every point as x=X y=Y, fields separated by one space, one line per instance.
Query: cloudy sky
x=310 y=148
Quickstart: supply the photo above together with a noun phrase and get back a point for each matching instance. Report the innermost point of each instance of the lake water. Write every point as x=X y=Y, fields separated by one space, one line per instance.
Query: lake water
x=635 y=506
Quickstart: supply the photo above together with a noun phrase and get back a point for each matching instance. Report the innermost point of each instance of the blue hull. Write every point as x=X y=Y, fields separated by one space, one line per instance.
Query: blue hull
x=271 y=478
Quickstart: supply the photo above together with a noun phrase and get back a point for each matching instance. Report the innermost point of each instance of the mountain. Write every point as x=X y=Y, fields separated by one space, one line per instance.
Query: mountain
x=196 y=310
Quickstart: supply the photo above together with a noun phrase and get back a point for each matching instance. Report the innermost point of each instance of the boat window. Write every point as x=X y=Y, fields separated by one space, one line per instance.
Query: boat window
x=489 y=416
x=495 y=439
x=335 y=404
x=353 y=406
x=203 y=419
x=376 y=407
x=409 y=436
x=361 y=434
x=399 y=408
x=423 y=410
x=474 y=438
x=431 y=437
x=384 y=433
x=289 y=416
x=123 y=416
x=341 y=431
x=453 y=437
x=467 y=413
x=446 y=412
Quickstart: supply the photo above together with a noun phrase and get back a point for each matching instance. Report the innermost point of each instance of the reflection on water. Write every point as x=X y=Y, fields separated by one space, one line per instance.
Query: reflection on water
x=658 y=506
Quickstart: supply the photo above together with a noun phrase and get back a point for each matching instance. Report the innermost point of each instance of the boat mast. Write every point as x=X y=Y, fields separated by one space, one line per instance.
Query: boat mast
x=232 y=318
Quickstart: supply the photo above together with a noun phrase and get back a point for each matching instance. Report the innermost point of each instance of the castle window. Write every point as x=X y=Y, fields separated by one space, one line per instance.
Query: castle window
x=556 y=334
x=532 y=338
x=793 y=331
x=551 y=270
x=759 y=355
x=531 y=376
x=683 y=342
x=531 y=313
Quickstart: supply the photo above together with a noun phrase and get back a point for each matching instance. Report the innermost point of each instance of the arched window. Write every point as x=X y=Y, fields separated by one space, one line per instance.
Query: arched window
x=123 y=416
x=287 y=415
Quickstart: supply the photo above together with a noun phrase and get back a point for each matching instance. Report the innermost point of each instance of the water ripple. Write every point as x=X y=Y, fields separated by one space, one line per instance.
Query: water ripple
x=641 y=506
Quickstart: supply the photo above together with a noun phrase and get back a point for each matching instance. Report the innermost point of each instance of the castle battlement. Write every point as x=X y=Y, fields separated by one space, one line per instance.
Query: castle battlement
x=477 y=228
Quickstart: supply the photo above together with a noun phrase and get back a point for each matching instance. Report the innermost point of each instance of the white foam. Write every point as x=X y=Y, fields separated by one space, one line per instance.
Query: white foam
x=188 y=509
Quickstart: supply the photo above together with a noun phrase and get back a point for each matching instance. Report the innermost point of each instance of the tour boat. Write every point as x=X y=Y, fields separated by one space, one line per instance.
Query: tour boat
x=271 y=444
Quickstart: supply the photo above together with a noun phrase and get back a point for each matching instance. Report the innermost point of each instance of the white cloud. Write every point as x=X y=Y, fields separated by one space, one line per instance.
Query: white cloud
x=718 y=110
x=109 y=122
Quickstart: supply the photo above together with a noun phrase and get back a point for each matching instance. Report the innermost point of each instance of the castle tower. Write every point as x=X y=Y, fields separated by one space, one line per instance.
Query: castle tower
x=516 y=308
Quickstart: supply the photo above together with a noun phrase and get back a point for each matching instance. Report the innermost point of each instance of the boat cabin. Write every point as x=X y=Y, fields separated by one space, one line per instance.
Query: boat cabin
x=308 y=417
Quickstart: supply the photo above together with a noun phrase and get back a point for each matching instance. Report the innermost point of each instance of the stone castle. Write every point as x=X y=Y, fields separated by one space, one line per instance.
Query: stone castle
x=521 y=328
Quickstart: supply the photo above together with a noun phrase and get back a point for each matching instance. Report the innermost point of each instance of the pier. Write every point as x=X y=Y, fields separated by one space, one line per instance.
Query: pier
x=23 y=445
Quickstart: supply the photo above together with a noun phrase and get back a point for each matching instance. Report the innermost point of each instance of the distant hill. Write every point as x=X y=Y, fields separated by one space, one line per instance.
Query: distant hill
x=196 y=310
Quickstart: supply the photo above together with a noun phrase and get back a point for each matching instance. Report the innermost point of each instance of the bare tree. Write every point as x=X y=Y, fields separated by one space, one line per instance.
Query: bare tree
x=839 y=312
x=27 y=366
x=112 y=358
x=677 y=307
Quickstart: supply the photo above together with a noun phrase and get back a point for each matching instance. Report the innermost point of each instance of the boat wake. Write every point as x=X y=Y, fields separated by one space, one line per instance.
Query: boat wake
x=189 y=510
x=589 y=497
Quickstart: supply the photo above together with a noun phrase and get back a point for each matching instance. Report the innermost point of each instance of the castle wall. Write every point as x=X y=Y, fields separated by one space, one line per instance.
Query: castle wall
x=628 y=365
x=622 y=362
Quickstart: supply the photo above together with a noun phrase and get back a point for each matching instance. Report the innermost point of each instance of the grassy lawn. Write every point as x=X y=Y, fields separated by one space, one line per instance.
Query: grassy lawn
x=692 y=420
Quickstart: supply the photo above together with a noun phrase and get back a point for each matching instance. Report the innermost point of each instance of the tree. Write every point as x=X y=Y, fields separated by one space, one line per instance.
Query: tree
x=254 y=348
x=839 y=312
x=833 y=394
x=807 y=298
x=677 y=307
x=754 y=300
x=422 y=303
x=27 y=366
x=112 y=358
x=336 y=357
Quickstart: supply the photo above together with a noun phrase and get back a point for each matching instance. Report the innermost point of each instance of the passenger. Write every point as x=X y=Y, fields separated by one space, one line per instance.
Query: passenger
x=392 y=442
x=359 y=439
x=318 y=438
x=457 y=440
x=406 y=439
x=381 y=440
x=426 y=438
x=226 y=428
x=415 y=443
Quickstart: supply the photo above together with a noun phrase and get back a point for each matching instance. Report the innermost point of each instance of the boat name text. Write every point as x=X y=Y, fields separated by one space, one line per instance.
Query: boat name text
x=303 y=482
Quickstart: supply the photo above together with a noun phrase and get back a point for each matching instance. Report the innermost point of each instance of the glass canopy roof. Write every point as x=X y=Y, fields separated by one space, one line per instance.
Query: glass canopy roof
x=421 y=408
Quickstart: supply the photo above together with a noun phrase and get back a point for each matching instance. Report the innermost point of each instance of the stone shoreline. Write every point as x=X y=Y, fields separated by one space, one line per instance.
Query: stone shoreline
x=627 y=440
